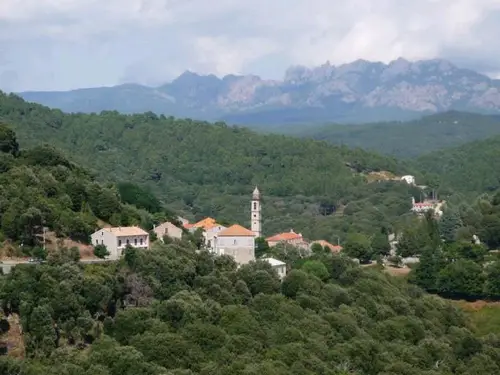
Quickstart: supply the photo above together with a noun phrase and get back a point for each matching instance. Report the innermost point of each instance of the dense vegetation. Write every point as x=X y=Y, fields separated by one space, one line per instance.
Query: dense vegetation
x=404 y=139
x=172 y=311
x=40 y=188
x=459 y=252
x=470 y=168
x=210 y=170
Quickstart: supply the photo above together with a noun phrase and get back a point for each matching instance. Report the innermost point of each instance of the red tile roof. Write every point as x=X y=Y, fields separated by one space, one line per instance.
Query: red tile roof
x=287 y=236
x=236 y=231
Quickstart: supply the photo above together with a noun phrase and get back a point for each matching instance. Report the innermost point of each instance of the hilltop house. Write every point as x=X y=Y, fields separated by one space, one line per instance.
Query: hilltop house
x=278 y=266
x=427 y=205
x=237 y=242
x=410 y=180
x=289 y=238
x=117 y=238
x=323 y=243
x=168 y=229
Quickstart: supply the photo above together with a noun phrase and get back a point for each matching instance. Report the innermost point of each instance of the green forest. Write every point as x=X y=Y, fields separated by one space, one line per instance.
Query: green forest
x=199 y=169
x=403 y=139
x=178 y=310
x=471 y=168
x=172 y=310
x=40 y=188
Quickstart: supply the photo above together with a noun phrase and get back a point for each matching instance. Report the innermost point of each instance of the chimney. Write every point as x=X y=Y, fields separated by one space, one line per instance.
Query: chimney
x=291 y=231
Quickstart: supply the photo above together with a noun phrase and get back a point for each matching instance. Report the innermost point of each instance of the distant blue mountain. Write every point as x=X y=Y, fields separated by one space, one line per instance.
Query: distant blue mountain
x=360 y=91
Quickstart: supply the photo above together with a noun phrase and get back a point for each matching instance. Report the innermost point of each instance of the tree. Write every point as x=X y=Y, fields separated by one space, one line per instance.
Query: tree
x=39 y=253
x=261 y=247
x=380 y=244
x=449 y=224
x=358 y=246
x=101 y=251
x=8 y=141
x=316 y=268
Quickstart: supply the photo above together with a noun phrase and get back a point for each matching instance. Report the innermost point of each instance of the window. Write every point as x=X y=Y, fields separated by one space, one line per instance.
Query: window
x=254 y=216
x=135 y=241
x=97 y=242
x=119 y=242
x=254 y=205
x=234 y=242
x=128 y=242
x=140 y=241
x=102 y=242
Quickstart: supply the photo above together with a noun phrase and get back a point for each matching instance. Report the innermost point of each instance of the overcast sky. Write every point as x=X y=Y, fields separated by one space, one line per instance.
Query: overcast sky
x=66 y=44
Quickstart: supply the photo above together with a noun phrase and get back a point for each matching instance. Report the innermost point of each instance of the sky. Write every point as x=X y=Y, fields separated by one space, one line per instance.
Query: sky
x=68 y=44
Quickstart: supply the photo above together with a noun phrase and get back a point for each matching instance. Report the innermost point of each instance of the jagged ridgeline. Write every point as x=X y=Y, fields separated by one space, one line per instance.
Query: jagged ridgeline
x=205 y=169
x=40 y=187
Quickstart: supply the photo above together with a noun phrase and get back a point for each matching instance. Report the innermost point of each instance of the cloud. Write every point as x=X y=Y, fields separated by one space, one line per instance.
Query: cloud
x=64 y=44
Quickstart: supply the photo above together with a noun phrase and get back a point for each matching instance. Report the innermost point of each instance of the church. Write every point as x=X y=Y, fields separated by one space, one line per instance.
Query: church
x=236 y=240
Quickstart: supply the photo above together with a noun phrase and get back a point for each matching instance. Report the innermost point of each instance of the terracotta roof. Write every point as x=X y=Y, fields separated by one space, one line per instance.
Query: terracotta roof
x=236 y=231
x=287 y=236
x=204 y=223
x=126 y=231
x=210 y=226
x=323 y=243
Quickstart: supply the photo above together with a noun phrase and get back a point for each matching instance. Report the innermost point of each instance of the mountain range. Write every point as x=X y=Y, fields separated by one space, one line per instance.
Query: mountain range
x=360 y=91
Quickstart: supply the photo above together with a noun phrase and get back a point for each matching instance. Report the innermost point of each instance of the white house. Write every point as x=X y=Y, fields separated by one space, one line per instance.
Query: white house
x=210 y=232
x=289 y=238
x=277 y=265
x=410 y=180
x=237 y=242
x=117 y=238
x=168 y=229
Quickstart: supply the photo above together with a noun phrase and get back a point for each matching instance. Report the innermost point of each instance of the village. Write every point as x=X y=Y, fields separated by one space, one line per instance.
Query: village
x=235 y=240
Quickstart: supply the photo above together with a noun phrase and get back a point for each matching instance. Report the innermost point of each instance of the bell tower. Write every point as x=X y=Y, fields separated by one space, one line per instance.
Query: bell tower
x=255 y=213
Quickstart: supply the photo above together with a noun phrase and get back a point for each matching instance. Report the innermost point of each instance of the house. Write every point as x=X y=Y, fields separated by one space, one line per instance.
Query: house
x=210 y=231
x=210 y=228
x=278 y=266
x=237 y=242
x=323 y=243
x=117 y=238
x=182 y=220
x=200 y=224
x=427 y=205
x=410 y=180
x=168 y=229
x=290 y=238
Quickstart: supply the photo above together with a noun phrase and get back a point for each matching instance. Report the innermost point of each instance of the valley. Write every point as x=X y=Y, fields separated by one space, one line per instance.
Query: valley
x=116 y=172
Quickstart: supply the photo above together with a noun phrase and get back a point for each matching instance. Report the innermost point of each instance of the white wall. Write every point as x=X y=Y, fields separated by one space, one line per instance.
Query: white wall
x=108 y=239
x=116 y=245
x=242 y=249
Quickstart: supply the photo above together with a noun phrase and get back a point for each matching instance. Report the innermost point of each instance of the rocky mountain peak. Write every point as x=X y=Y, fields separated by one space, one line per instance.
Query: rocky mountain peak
x=357 y=91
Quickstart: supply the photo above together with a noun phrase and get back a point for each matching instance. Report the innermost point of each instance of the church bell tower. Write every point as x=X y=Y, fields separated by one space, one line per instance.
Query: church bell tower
x=255 y=213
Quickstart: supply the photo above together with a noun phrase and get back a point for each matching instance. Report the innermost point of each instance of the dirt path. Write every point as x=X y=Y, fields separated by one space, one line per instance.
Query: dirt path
x=15 y=342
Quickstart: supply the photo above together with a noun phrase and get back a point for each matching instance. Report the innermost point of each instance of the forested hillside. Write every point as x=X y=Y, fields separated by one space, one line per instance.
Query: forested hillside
x=404 y=139
x=40 y=187
x=205 y=169
x=172 y=311
x=470 y=168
